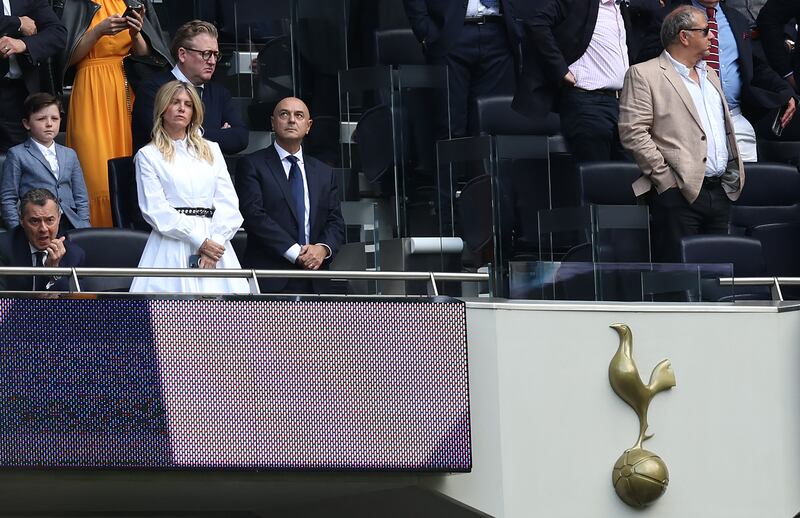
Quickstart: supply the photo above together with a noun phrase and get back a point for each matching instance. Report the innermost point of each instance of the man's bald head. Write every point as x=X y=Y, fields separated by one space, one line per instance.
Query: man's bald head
x=291 y=122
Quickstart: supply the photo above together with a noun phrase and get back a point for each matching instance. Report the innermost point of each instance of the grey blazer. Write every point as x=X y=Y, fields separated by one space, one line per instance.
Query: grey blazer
x=26 y=168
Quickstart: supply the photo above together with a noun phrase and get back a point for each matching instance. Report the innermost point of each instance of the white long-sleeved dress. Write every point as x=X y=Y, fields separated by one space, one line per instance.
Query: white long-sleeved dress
x=186 y=182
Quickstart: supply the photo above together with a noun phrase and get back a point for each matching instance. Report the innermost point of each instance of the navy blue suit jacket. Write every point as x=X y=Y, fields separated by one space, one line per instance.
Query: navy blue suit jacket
x=270 y=216
x=217 y=105
x=16 y=252
x=50 y=38
x=437 y=23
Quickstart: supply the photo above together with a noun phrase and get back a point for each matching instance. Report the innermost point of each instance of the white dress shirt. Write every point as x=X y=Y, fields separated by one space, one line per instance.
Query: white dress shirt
x=49 y=155
x=475 y=9
x=708 y=104
x=605 y=61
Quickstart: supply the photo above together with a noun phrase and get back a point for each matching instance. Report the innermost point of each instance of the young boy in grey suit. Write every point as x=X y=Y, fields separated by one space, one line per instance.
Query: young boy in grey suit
x=41 y=163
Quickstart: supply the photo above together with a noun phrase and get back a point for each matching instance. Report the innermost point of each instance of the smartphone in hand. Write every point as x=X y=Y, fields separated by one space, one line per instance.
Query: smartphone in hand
x=777 y=129
x=194 y=261
x=133 y=5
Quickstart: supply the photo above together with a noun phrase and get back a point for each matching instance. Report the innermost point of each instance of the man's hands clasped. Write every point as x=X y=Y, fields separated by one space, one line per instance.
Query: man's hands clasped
x=311 y=257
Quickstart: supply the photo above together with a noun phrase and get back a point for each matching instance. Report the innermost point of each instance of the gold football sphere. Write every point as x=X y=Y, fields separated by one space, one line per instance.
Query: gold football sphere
x=640 y=477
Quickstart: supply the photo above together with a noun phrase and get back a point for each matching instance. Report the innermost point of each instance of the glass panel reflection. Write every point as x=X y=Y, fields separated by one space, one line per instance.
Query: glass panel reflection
x=628 y=282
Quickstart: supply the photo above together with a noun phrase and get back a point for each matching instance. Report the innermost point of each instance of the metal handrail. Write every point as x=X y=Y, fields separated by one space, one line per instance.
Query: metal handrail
x=773 y=282
x=252 y=275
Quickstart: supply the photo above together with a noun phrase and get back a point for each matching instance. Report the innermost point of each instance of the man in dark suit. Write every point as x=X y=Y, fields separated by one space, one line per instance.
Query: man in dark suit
x=34 y=243
x=477 y=40
x=771 y=22
x=196 y=52
x=30 y=32
x=290 y=204
x=576 y=56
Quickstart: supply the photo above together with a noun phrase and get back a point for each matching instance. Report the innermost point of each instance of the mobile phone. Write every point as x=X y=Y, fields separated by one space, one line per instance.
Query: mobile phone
x=133 y=5
x=194 y=261
x=777 y=129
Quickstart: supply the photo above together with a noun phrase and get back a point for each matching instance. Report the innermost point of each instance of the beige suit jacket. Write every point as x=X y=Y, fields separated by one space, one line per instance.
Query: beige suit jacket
x=660 y=127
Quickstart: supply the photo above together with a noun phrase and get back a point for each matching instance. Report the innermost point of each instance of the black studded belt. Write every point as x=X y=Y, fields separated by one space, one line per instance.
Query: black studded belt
x=196 y=211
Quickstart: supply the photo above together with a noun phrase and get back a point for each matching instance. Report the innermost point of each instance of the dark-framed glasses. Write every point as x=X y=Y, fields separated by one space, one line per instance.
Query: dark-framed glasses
x=206 y=54
x=705 y=30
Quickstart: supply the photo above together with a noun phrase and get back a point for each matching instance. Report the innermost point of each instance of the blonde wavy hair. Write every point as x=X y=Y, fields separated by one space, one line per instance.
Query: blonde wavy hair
x=161 y=139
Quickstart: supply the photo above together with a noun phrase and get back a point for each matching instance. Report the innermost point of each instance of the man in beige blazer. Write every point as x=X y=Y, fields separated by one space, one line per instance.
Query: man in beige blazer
x=676 y=124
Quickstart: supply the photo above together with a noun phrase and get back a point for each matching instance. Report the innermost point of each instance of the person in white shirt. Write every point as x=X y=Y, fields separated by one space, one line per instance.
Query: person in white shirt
x=186 y=195
x=675 y=122
x=41 y=163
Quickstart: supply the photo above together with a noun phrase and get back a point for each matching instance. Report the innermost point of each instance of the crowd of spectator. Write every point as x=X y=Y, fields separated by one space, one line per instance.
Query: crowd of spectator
x=618 y=73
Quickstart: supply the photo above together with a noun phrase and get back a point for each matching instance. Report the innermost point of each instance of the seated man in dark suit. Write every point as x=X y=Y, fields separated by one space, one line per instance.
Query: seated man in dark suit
x=290 y=204
x=34 y=243
x=196 y=51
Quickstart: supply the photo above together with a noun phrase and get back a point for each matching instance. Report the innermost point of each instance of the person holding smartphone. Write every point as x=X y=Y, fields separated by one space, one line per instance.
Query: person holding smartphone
x=100 y=35
x=186 y=195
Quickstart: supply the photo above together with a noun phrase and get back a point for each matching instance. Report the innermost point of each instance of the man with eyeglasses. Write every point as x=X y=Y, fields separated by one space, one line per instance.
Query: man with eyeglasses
x=676 y=124
x=755 y=93
x=196 y=53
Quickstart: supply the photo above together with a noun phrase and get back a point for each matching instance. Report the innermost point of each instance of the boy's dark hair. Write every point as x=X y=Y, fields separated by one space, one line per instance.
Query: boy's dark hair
x=35 y=102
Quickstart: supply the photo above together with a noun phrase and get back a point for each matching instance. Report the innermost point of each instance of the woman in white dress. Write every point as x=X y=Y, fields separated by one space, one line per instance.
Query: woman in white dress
x=186 y=195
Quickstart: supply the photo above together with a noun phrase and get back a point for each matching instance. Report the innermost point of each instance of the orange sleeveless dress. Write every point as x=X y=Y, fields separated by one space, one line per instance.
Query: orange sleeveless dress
x=99 y=121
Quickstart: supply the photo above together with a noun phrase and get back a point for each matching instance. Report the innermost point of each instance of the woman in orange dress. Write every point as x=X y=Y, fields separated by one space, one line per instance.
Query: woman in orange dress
x=99 y=118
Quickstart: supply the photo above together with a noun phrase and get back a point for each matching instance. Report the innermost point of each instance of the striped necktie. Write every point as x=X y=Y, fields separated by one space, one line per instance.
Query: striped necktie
x=713 y=56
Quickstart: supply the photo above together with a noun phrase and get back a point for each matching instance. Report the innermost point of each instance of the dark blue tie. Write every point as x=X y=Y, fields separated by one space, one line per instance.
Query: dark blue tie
x=299 y=195
x=39 y=283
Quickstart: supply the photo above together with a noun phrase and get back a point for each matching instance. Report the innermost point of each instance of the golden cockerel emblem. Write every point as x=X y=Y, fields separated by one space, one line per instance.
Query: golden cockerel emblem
x=640 y=476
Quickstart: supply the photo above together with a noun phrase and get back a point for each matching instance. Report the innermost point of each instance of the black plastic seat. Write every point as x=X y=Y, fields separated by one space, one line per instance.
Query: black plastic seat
x=771 y=194
x=397 y=47
x=607 y=183
x=786 y=152
x=744 y=253
x=475 y=211
x=496 y=117
x=781 y=245
x=125 y=211
x=109 y=248
x=375 y=142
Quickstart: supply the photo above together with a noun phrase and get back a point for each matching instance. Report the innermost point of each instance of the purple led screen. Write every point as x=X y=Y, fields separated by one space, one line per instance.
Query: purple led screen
x=317 y=385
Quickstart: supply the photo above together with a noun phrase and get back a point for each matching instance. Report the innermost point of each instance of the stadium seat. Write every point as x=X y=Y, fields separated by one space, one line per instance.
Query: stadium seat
x=781 y=245
x=785 y=152
x=744 y=253
x=496 y=117
x=109 y=248
x=125 y=211
x=607 y=183
x=475 y=210
x=771 y=194
x=397 y=47
x=375 y=142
